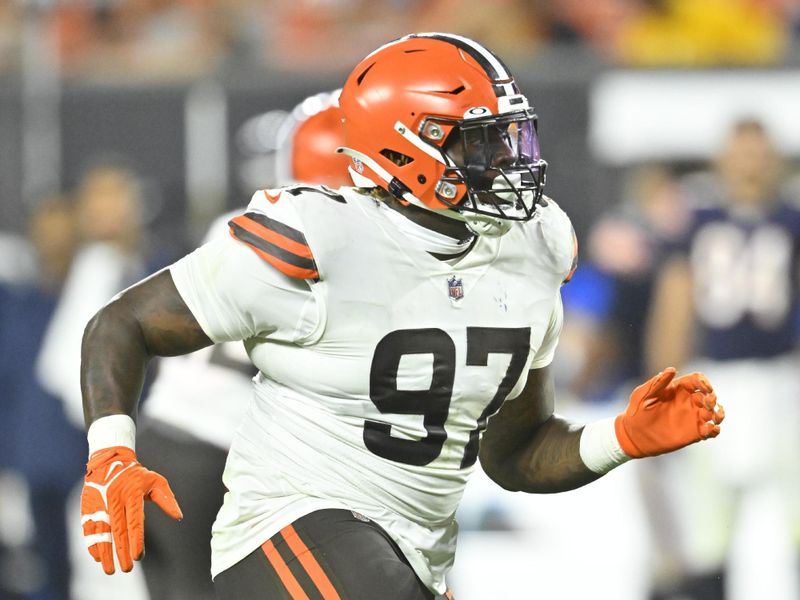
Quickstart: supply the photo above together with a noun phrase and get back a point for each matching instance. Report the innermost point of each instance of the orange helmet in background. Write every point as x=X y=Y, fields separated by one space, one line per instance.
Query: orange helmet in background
x=308 y=140
x=438 y=121
x=282 y=148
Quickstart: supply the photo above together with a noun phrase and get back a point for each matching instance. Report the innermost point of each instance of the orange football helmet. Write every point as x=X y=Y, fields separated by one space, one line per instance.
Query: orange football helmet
x=280 y=148
x=438 y=121
x=308 y=140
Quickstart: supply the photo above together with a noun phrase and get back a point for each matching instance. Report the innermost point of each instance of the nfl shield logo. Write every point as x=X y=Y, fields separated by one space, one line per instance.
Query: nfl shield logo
x=455 y=288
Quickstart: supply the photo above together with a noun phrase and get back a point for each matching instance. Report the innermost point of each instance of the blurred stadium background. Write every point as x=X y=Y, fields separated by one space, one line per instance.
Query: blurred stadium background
x=153 y=101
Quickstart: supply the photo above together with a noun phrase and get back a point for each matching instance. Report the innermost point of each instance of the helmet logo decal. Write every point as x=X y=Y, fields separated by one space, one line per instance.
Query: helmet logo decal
x=476 y=112
x=358 y=165
x=455 y=289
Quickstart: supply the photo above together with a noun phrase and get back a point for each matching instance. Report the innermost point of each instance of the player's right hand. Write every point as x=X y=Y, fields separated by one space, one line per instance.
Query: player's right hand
x=112 y=505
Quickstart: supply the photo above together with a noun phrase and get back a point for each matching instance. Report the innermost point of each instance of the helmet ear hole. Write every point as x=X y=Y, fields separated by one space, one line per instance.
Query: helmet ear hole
x=396 y=157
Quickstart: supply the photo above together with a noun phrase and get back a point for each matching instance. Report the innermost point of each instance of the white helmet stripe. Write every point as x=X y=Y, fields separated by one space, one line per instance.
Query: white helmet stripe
x=494 y=66
x=474 y=49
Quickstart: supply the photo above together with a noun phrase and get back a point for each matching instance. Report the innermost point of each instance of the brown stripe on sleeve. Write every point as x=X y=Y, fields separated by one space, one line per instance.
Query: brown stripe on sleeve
x=281 y=246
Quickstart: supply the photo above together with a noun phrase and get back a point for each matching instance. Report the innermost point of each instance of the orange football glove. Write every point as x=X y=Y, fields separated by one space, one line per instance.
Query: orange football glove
x=665 y=414
x=112 y=504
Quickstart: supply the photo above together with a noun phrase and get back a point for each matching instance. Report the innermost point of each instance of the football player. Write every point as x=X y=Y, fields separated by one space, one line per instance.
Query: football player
x=727 y=302
x=197 y=400
x=388 y=323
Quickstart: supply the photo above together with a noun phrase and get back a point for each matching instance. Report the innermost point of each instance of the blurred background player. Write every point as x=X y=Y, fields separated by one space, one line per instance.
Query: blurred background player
x=727 y=303
x=111 y=251
x=609 y=297
x=197 y=400
x=38 y=442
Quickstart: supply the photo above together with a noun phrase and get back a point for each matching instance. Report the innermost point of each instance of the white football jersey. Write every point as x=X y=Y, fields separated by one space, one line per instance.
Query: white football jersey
x=378 y=364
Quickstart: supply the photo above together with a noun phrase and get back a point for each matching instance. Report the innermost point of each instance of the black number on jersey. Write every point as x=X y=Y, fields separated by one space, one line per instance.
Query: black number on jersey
x=434 y=403
x=481 y=342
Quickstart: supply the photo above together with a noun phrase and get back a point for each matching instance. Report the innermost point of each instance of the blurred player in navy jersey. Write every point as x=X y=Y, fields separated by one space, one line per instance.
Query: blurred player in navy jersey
x=37 y=439
x=197 y=400
x=388 y=322
x=727 y=303
x=608 y=300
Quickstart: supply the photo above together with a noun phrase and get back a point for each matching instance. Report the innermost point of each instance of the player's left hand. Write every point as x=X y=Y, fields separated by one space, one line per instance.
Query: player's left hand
x=665 y=414
x=112 y=505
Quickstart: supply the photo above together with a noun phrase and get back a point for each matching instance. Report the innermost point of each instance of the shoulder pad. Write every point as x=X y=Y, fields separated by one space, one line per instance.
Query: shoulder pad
x=272 y=228
x=560 y=238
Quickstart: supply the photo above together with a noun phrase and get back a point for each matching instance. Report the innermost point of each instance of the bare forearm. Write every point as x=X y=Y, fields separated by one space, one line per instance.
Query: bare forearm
x=527 y=447
x=149 y=319
x=668 y=334
x=548 y=461
x=114 y=359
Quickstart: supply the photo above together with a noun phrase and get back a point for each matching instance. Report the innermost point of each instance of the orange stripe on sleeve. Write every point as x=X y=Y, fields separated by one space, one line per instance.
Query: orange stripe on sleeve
x=282 y=569
x=273 y=237
x=284 y=267
x=310 y=563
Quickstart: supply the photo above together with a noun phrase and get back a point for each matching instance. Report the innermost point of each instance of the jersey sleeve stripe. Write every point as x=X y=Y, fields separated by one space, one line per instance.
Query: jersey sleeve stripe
x=285 y=261
x=280 y=228
x=276 y=233
x=266 y=245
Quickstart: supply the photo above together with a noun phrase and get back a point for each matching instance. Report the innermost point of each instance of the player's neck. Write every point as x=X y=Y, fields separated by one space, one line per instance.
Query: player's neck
x=456 y=230
x=442 y=241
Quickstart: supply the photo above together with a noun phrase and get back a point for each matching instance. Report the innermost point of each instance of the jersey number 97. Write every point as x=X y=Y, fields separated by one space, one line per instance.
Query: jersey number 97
x=434 y=403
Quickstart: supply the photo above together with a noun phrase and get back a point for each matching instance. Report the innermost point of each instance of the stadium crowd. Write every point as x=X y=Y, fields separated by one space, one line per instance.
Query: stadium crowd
x=184 y=39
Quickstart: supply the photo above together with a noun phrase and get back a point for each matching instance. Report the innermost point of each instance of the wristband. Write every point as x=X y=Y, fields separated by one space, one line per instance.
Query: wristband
x=599 y=447
x=114 y=430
